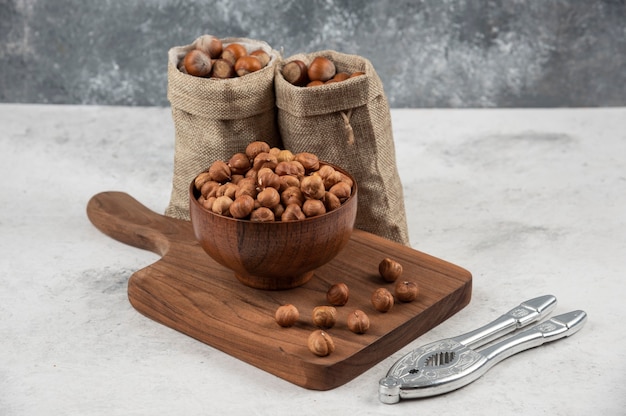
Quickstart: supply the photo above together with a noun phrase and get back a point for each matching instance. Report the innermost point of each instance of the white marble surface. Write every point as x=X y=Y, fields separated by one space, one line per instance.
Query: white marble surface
x=530 y=201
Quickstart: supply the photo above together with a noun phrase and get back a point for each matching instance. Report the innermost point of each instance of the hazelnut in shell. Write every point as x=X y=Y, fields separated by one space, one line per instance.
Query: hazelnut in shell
x=197 y=63
x=222 y=69
x=295 y=72
x=262 y=56
x=233 y=51
x=209 y=44
x=321 y=69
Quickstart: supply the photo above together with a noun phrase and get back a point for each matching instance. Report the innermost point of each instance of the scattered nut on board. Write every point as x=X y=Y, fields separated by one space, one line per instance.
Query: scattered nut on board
x=358 y=322
x=389 y=269
x=382 y=300
x=287 y=315
x=324 y=316
x=320 y=343
x=406 y=291
x=338 y=294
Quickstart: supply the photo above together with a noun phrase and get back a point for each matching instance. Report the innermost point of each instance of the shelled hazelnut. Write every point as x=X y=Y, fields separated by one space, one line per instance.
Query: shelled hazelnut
x=389 y=269
x=324 y=316
x=358 y=322
x=338 y=294
x=320 y=343
x=287 y=315
x=382 y=300
x=406 y=291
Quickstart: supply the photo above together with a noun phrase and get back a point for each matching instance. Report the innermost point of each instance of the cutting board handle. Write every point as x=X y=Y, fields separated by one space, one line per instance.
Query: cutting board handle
x=125 y=219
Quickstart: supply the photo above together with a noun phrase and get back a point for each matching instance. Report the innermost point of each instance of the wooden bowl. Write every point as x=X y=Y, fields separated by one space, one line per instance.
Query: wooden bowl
x=273 y=255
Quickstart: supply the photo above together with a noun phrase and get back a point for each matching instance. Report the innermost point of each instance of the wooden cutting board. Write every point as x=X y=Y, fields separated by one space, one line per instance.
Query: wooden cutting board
x=188 y=291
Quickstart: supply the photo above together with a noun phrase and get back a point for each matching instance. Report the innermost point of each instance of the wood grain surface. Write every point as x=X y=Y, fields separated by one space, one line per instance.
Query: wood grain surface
x=188 y=291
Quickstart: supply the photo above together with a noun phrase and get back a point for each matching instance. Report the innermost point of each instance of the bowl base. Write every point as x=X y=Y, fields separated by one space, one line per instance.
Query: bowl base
x=274 y=283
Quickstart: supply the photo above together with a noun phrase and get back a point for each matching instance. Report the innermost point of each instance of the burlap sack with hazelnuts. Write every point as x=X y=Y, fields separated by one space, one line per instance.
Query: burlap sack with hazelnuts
x=215 y=118
x=348 y=123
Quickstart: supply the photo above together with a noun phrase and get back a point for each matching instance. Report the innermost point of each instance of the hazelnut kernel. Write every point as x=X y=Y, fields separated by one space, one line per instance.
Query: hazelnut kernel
x=287 y=315
x=358 y=322
x=264 y=160
x=331 y=201
x=313 y=207
x=285 y=156
x=220 y=172
x=312 y=187
x=324 y=316
x=292 y=195
x=293 y=212
x=242 y=206
x=221 y=205
x=268 y=197
x=320 y=343
x=256 y=147
x=382 y=300
x=239 y=163
x=201 y=179
x=341 y=190
x=389 y=269
x=262 y=214
x=310 y=161
x=266 y=178
x=406 y=291
x=338 y=294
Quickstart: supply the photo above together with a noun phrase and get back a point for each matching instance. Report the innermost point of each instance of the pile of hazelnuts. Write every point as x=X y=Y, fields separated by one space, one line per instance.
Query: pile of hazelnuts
x=320 y=71
x=264 y=184
x=209 y=58
x=324 y=317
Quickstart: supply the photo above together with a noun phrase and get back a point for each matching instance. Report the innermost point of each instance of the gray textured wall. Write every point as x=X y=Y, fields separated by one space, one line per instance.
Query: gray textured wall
x=430 y=53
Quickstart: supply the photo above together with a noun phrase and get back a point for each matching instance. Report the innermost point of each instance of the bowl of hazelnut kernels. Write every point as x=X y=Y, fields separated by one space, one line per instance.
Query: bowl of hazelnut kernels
x=273 y=216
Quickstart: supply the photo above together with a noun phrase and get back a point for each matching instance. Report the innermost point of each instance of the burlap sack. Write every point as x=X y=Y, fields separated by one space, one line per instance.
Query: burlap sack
x=214 y=118
x=348 y=123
